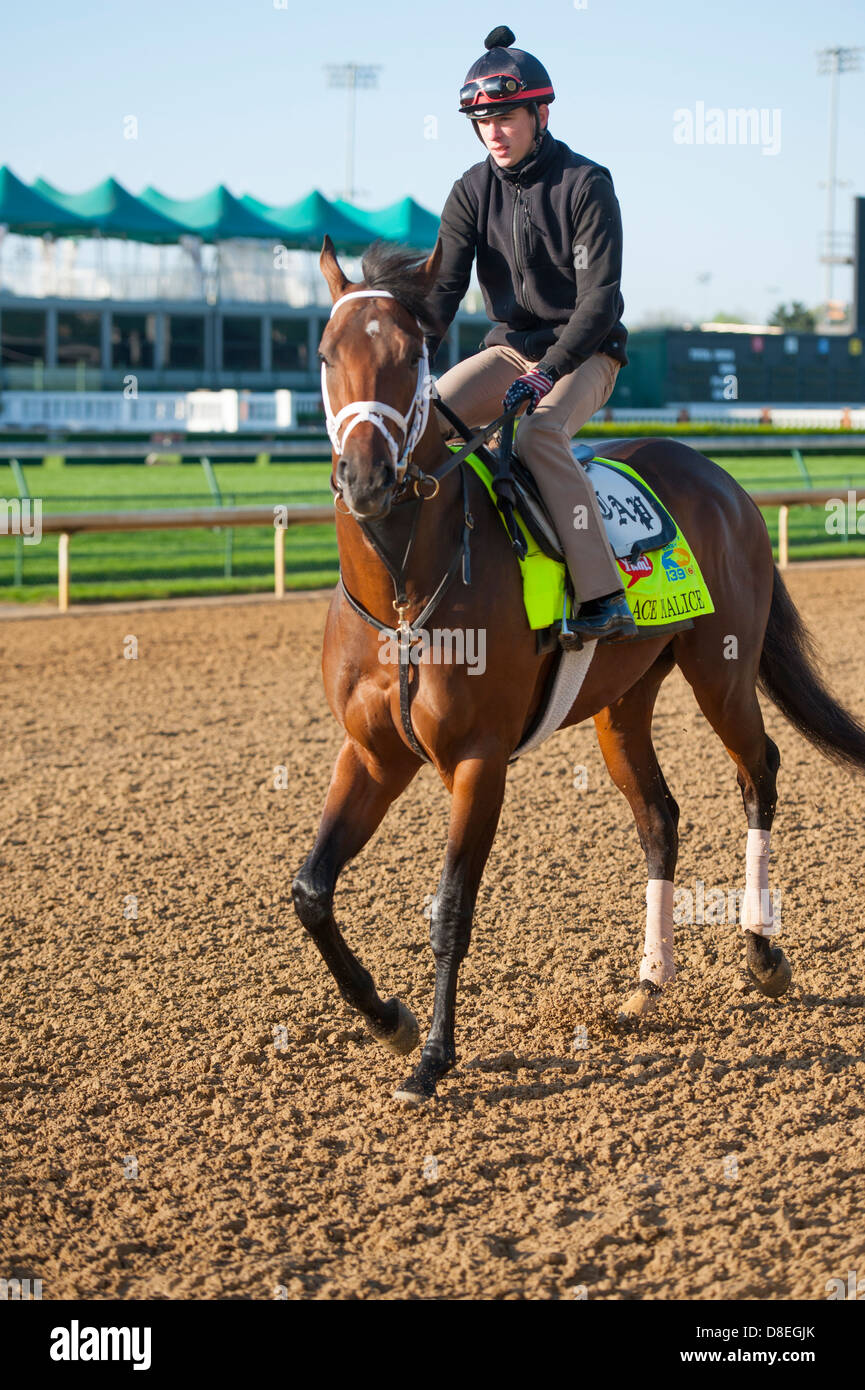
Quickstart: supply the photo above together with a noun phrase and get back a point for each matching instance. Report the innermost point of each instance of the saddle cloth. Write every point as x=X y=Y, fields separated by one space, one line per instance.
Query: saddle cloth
x=660 y=575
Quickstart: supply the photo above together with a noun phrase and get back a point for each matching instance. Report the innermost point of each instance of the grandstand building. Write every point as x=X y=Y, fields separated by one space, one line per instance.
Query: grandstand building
x=106 y=292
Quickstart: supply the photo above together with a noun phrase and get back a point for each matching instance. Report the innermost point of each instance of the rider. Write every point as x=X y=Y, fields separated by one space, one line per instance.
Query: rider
x=546 y=228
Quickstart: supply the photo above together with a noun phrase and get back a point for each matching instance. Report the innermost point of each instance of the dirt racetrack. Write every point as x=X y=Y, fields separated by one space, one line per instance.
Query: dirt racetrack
x=714 y=1153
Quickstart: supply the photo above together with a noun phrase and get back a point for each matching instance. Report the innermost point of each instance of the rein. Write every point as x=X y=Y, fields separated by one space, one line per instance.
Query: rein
x=413 y=424
x=409 y=633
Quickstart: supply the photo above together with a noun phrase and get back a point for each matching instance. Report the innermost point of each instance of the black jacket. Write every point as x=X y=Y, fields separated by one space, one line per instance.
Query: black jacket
x=548 y=240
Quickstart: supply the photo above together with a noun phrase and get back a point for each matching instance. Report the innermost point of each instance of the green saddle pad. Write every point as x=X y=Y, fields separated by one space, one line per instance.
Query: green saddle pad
x=662 y=586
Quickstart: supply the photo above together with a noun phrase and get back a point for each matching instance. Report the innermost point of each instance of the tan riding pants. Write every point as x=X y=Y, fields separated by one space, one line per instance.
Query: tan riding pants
x=475 y=388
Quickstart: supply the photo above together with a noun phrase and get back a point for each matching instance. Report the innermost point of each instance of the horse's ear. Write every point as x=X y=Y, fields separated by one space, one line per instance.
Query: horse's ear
x=330 y=269
x=431 y=265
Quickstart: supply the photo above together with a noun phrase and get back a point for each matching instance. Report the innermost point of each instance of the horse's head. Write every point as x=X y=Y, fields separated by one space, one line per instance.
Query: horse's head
x=375 y=378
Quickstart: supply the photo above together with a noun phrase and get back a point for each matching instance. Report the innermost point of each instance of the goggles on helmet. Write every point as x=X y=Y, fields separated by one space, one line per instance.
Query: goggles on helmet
x=501 y=86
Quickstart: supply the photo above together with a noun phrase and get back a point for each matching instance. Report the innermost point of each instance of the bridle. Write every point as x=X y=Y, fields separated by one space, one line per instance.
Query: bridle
x=412 y=425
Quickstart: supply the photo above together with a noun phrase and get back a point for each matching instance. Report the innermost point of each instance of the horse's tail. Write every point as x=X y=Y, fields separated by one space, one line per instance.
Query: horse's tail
x=788 y=675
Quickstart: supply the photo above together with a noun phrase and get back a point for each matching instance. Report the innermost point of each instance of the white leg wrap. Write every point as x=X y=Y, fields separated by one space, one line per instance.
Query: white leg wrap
x=758 y=913
x=657 y=963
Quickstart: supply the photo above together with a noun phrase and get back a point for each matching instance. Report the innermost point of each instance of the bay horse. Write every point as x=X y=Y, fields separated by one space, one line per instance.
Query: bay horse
x=396 y=496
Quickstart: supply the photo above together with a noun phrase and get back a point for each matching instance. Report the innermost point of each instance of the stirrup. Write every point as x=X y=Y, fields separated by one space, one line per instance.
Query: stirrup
x=569 y=640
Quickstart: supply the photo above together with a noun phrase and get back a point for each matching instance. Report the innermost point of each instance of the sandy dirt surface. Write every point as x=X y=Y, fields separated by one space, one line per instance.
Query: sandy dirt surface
x=715 y=1152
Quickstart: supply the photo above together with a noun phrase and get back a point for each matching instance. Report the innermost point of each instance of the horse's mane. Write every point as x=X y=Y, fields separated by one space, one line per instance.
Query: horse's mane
x=398 y=268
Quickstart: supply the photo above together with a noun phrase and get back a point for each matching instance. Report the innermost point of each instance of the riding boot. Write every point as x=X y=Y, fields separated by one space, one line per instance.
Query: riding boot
x=608 y=619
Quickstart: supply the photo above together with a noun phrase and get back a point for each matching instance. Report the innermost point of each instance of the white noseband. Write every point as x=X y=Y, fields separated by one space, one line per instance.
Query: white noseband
x=375 y=411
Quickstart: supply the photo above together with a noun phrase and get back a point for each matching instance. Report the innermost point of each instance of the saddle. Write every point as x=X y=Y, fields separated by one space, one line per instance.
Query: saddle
x=634 y=519
x=665 y=588
x=533 y=510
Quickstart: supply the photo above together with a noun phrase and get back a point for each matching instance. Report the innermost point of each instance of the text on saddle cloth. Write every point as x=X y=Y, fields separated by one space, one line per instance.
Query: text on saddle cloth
x=634 y=519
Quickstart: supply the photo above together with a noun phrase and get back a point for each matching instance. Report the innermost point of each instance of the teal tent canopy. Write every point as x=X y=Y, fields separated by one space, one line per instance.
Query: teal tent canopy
x=404 y=221
x=215 y=216
x=304 y=224
x=29 y=213
x=110 y=209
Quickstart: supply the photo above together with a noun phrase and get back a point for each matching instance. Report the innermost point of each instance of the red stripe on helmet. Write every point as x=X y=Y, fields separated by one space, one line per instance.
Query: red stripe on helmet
x=481 y=99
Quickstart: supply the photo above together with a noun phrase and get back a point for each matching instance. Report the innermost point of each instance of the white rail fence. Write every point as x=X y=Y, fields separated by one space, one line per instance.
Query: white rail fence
x=181 y=412
x=245 y=412
x=67 y=525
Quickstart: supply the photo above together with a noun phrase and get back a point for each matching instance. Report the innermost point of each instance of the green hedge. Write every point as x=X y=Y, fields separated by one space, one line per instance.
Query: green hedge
x=665 y=427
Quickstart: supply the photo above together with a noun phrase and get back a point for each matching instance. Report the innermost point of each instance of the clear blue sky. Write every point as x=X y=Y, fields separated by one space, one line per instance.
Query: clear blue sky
x=234 y=91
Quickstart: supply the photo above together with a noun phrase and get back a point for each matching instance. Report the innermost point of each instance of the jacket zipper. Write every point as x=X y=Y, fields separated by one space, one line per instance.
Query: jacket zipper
x=516 y=241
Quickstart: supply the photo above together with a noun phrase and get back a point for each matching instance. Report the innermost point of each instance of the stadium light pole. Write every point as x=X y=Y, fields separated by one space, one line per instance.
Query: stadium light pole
x=351 y=76
x=834 y=61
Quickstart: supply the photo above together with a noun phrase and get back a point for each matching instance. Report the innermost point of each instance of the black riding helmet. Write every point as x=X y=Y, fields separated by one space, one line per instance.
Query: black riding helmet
x=503 y=79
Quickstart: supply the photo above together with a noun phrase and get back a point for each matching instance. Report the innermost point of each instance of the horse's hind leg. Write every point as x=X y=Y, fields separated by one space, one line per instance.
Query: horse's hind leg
x=625 y=735
x=360 y=792
x=734 y=713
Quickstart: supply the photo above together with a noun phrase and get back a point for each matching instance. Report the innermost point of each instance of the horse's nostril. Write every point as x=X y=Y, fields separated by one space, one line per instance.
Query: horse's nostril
x=385 y=475
x=366 y=476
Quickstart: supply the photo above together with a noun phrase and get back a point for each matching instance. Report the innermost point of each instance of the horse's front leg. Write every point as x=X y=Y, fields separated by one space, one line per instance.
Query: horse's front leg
x=360 y=792
x=478 y=787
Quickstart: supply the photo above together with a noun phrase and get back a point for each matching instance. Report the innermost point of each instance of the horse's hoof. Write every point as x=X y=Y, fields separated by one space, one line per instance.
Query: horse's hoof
x=407 y=1095
x=402 y=1039
x=641 y=1003
x=775 y=979
x=419 y=1088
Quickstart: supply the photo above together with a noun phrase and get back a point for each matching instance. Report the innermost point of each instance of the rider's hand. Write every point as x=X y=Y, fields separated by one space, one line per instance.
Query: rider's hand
x=531 y=387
